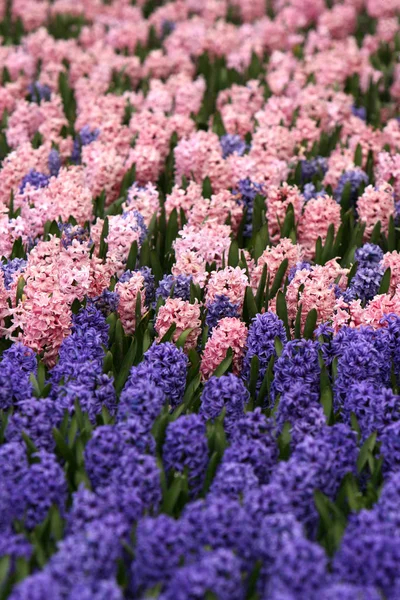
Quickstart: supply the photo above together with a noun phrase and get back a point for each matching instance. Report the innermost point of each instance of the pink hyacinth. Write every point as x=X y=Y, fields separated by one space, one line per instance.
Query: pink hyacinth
x=143 y=199
x=273 y=256
x=104 y=169
x=219 y=208
x=277 y=203
x=230 y=282
x=388 y=169
x=392 y=260
x=188 y=262
x=319 y=213
x=184 y=315
x=376 y=205
x=123 y=230
x=183 y=199
x=314 y=288
x=229 y=333
x=128 y=293
x=211 y=241
x=44 y=321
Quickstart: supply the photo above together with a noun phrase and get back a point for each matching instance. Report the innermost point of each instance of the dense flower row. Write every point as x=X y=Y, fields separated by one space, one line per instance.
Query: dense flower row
x=200 y=300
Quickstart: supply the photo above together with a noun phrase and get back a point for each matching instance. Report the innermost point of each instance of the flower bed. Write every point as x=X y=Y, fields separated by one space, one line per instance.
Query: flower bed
x=200 y=300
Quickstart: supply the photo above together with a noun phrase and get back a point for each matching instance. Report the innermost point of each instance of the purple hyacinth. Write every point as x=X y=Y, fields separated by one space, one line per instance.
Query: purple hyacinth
x=96 y=590
x=16 y=366
x=217 y=573
x=136 y=483
x=39 y=586
x=219 y=522
x=312 y=167
x=141 y=396
x=149 y=284
x=36 y=417
x=89 y=507
x=310 y=191
x=185 y=449
x=106 y=303
x=35 y=179
x=233 y=479
x=261 y=455
x=359 y=112
x=167 y=369
x=102 y=454
x=247 y=191
x=295 y=403
x=374 y=407
x=70 y=233
x=263 y=330
x=390 y=446
x=10 y=268
x=161 y=545
x=54 y=162
x=356 y=179
x=39 y=92
x=301 y=566
x=85 y=137
x=232 y=144
x=227 y=392
x=265 y=500
x=220 y=308
x=298 y=363
x=254 y=425
x=91 y=554
x=41 y=486
x=298 y=267
x=178 y=286
x=276 y=530
x=363 y=355
x=369 y=554
x=348 y=591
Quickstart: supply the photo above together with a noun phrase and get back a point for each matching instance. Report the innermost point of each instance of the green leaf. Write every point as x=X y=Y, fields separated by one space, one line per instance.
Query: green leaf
x=282 y=312
x=171 y=497
x=251 y=306
x=261 y=288
x=254 y=370
x=278 y=346
x=224 y=364
x=310 y=324
x=297 y=323
x=210 y=472
x=385 y=283
x=207 y=188
x=103 y=244
x=168 y=334
x=62 y=447
x=30 y=446
x=172 y=230
x=132 y=257
x=126 y=366
x=279 y=278
x=20 y=289
x=358 y=156
x=391 y=235
x=5 y=563
x=376 y=233
x=180 y=342
x=326 y=398
x=233 y=255
x=366 y=450
x=328 y=246
x=284 y=442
